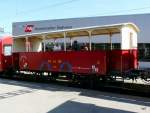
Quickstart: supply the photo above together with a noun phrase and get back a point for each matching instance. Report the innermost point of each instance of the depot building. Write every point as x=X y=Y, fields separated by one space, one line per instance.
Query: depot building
x=141 y=20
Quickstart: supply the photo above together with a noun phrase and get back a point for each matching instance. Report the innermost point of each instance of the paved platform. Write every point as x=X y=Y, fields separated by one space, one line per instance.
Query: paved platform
x=29 y=97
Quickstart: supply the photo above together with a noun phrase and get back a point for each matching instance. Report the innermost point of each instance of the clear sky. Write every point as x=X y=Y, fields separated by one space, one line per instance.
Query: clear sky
x=30 y=10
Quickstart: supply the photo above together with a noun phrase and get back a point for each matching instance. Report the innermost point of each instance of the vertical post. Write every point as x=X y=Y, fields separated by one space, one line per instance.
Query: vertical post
x=54 y=41
x=44 y=46
x=90 y=42
x=27 y=44
x=110 y=41
x=64 y=41
x=71 y=42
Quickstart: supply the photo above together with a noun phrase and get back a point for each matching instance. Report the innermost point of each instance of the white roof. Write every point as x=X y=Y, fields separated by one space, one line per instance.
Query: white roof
x=84 y=31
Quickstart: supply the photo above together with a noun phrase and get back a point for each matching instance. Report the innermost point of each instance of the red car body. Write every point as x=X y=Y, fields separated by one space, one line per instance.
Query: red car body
x=80 y=62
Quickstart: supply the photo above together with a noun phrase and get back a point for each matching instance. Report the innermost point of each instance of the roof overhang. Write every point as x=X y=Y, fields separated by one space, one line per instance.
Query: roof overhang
x=84 y=31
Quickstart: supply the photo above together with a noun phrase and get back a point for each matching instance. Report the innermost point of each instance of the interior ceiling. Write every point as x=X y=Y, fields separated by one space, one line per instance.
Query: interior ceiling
x=72 y=34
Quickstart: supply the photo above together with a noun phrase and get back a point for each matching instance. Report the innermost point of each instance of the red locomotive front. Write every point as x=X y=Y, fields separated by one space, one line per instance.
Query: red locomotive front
x=5 y=53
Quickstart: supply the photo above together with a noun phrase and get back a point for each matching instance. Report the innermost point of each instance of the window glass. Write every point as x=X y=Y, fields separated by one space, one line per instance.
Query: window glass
x=144 y=52
x=106 y=46
x=7 y=50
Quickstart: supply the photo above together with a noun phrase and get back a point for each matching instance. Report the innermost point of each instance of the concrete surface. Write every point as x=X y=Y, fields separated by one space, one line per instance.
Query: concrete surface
x=29 y=97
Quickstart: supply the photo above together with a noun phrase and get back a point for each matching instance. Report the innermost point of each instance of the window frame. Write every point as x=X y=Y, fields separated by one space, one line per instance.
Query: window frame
x=4 y=50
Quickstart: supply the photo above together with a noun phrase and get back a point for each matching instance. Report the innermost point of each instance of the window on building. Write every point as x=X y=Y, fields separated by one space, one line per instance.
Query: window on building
x=144 y=52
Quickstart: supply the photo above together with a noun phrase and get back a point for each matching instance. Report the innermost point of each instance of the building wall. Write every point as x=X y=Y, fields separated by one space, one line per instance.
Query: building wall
x=141 y=20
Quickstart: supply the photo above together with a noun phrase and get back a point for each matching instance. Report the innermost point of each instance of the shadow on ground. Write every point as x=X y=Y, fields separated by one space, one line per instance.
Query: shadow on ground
x=76 y=107
x=34 y=86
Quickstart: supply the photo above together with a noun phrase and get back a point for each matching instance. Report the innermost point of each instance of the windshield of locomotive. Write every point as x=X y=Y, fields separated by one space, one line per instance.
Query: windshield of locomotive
x=7 y=50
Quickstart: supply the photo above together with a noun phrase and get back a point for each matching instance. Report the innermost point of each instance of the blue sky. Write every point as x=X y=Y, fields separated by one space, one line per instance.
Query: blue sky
x=30 y=10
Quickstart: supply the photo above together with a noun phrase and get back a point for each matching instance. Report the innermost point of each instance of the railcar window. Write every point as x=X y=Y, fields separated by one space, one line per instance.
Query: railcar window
x=49 y=47
x=106 y=46
x=7 y=50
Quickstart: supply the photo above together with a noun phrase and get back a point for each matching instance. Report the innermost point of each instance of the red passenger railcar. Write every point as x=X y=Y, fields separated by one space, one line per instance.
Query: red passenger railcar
x=29 y=55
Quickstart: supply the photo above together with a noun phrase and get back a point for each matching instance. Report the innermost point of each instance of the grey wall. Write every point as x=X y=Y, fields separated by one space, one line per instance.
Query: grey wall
x=141 y=20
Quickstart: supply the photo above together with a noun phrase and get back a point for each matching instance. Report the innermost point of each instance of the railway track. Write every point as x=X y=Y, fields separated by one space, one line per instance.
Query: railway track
x=106 y=86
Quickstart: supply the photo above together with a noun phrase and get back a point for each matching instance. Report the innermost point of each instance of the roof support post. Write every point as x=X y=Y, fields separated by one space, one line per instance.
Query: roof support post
x=43 y=40
x=71 y=41
x=64 y=41
x=110 y=41
x=26 y=44
x=90 y=41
